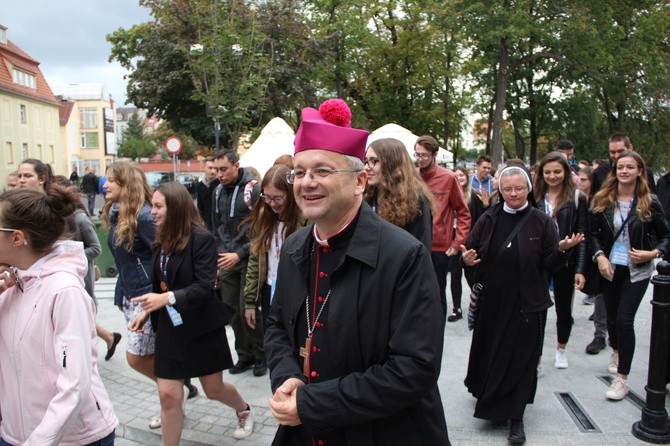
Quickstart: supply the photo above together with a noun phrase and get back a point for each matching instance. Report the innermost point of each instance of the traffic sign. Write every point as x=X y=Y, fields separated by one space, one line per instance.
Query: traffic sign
x=173 y=145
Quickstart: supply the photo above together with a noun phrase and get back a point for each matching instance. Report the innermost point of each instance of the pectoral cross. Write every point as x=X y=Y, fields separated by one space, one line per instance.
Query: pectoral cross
x=304 y=352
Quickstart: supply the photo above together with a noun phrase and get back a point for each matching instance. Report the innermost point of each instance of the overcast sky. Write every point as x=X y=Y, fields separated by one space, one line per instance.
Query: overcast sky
x=67 y=37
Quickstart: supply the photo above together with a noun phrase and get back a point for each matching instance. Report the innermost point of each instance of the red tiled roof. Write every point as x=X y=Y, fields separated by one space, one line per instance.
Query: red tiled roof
x=12 y=56
x=65 y=111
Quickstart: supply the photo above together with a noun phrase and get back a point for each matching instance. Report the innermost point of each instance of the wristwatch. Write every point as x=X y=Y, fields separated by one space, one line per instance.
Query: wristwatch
x=171 y=299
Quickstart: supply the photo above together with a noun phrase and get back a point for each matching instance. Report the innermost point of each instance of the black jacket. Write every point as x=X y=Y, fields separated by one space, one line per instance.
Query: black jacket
x=387 y=349
x=644 y=235
x=663 y=192
x=573 y=219
x=204 y=194
x=191 y=275
x=538 y=252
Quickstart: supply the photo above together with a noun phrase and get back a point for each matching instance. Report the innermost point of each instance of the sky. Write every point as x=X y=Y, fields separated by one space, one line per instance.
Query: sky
x=67 y=37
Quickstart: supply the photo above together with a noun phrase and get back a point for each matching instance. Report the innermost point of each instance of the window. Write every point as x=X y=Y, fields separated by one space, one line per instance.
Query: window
x=3 y=34
x=23 y=114
x=89 y=140
x=23 y=78
x=52 y=152
x=88 y=118
x=24 y=151
x=40 y=155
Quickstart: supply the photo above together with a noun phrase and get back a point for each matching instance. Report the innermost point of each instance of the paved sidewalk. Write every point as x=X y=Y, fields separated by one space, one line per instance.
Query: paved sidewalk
x=547 y=421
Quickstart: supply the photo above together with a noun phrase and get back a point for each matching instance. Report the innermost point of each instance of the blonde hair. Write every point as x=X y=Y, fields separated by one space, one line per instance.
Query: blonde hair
x=135 y=192
x=609 y=192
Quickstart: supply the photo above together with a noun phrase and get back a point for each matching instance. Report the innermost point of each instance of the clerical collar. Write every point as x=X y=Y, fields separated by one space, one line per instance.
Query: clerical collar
x=342 y=235
x=509 y=210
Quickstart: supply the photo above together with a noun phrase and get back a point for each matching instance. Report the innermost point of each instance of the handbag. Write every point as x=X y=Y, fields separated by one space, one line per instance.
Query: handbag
x=478 y=287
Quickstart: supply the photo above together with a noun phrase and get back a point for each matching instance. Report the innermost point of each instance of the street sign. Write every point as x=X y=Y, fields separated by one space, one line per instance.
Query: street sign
x=173 y=145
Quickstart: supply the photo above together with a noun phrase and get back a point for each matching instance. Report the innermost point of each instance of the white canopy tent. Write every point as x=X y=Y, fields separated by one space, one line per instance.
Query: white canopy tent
x=276 y=139
x=408 y=139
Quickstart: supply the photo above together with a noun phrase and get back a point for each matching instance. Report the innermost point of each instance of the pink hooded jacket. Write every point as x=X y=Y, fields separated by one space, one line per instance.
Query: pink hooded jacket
x=50 y=389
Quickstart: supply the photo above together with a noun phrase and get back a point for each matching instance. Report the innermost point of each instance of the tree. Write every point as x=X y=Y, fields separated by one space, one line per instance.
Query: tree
x=134 y=144
x=164 y=131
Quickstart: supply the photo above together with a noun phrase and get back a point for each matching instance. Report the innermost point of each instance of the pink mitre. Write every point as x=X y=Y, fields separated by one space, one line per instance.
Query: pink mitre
x=329 y=128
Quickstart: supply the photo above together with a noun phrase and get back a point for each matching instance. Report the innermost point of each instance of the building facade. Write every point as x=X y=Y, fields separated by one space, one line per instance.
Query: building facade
x=87 y=120
x=29 y=112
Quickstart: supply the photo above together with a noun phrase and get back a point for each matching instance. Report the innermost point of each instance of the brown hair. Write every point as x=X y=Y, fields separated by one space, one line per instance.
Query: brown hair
x=42 y=170
x=286 y=160
x=540 y=188
x=400 y=189
x=263 y=219
x=181 y=218
x=41 y=216
x=467 y=190
x=428 y=142
x=609 y=192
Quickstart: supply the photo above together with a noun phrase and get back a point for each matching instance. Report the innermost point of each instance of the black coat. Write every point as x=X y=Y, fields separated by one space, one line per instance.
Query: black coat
x=538 y=245
x=204 y=199
x=573 y=219
x=644 y=235
x=386 y=317
x=191 y=275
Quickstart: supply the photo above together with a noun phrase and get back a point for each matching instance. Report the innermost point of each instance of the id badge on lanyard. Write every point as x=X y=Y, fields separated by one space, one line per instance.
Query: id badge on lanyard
x=619 y=254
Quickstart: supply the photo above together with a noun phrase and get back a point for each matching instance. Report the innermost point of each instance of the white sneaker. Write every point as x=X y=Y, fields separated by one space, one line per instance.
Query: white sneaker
x=561 y=359
x=540 y=372
x=618 y=390
x=155 y=422
x=613 y=365
x=245 y=424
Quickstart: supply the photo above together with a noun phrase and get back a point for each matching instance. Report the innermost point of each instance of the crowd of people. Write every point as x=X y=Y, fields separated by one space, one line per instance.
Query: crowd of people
x=332 y=271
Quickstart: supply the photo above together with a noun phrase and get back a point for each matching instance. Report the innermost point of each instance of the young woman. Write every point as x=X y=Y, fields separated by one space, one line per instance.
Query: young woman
x=396 y=192
x=274 y=217
x=34 y=174
x=556 y=196
x=127 y=216
x=629 y=231
x=50 y=389
x=188 y=318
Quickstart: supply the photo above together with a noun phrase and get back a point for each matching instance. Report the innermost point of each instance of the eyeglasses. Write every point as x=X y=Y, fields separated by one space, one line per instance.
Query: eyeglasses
x=318 y=172
x=423 y=156
x=370 y=162
x=278 y=199
x=517 y=189
x=7 y=230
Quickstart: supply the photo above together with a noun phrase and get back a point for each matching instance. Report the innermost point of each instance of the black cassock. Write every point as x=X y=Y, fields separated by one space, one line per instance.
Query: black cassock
x=506 y=342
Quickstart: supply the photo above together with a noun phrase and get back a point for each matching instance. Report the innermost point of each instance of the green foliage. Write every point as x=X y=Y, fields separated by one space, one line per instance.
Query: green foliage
x=164 y=131
x=539 y=70
x=134 y=143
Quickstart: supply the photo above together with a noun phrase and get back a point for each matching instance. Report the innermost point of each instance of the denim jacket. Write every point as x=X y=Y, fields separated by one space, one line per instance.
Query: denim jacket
x=134 y=266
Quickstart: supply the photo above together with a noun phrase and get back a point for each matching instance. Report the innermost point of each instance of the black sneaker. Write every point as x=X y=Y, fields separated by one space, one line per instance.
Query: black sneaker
x=240 y=367
x=595 y=346
x=192 y=390
x=456 y=315
x=516 y=433
x=260 y=369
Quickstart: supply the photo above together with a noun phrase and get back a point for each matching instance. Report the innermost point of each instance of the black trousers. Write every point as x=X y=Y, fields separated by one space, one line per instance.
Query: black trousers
x=622 y=299
x=564 y=291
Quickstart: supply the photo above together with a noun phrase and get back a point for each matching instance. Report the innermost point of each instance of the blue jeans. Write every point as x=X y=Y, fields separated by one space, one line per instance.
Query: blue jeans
x=107 y=441
x=91 y=203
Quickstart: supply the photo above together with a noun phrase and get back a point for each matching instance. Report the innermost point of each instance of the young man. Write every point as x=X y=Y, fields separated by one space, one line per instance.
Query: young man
x=233 y=199
x=204 y=191
x=354 y=337
x=482 y=181
x=444 y=186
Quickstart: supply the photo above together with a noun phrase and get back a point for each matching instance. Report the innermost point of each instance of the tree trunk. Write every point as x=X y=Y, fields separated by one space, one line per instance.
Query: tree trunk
x=501 y=93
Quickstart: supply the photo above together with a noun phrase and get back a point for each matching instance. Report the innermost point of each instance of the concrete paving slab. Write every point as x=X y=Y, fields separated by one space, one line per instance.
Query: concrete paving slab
x=547 y=422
